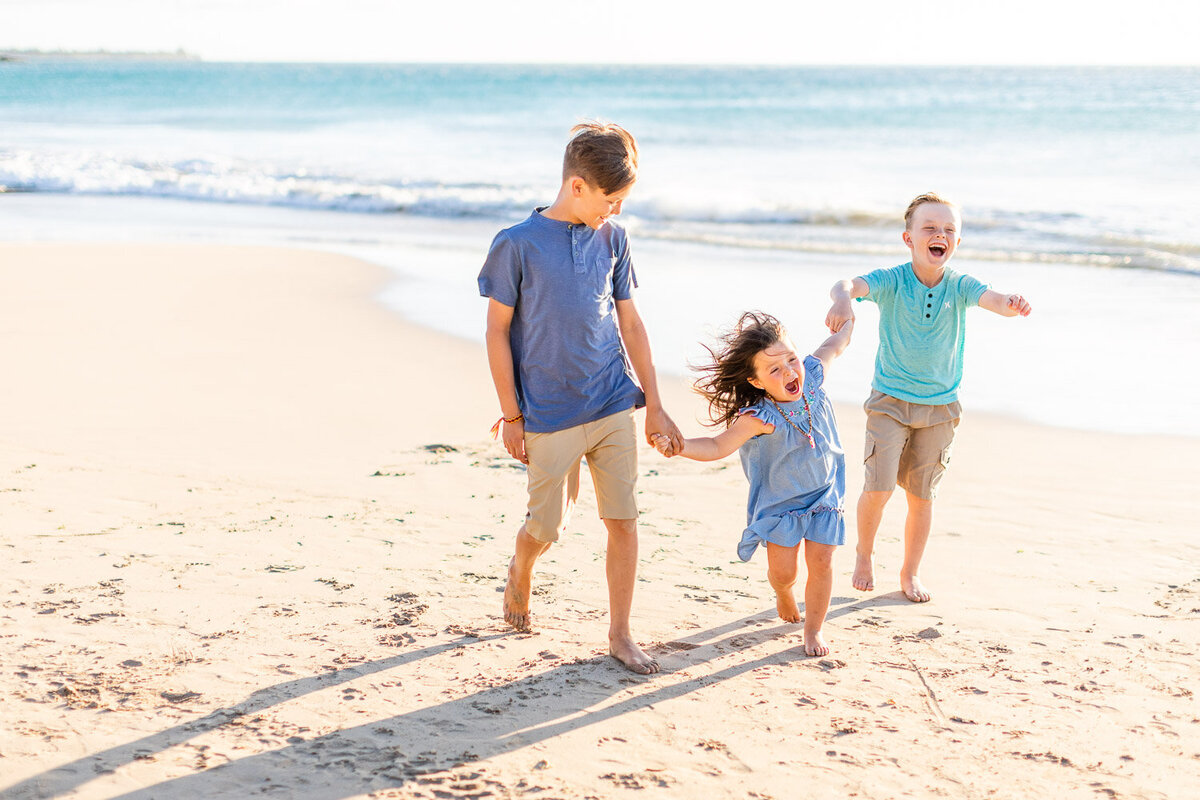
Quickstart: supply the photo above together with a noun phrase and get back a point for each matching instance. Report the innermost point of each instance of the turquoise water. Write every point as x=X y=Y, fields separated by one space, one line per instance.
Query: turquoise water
x=1078 y=165
x=759 y=187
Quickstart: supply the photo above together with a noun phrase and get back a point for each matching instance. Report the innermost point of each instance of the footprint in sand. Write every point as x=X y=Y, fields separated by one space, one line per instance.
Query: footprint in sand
x=1181 y=599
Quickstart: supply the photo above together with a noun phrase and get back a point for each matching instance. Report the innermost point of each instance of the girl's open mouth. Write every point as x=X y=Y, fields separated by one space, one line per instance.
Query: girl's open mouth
x=792 y=387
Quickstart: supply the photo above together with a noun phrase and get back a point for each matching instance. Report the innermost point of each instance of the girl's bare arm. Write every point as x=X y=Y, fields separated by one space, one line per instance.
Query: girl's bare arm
x=712 y=448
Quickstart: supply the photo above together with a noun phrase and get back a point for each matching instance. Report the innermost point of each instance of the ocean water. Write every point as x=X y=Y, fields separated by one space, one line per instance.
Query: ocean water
x=759 y=187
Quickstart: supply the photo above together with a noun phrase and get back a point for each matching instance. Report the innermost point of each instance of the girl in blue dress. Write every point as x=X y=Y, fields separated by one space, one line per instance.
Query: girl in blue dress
x=778 y=417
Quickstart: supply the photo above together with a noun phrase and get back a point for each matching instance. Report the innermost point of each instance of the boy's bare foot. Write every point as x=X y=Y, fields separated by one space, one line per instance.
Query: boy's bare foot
x=814 y=644
x=914 y=590
x=785 y=604
x=864 y=573
x=632 y=657
x=516 y=598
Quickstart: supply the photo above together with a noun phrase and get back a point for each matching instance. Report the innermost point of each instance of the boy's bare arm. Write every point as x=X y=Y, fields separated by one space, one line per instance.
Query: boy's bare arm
x=637 y=345
x=500 y=360
x=1006 y=305
x=835 y=345
x=712 y=448
x=843 y=294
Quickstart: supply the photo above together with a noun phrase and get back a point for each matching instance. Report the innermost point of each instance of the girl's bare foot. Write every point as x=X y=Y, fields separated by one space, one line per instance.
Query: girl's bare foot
x=516 y=598
x=864 y=573
x=914 y=590
x=785 y=604
x=632 y=657
x=814 y=644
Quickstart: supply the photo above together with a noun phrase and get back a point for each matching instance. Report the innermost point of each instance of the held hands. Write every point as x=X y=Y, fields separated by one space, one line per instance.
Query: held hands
x=1019 y=304
x=662 y=433
x=839 y=314
x=663 y=444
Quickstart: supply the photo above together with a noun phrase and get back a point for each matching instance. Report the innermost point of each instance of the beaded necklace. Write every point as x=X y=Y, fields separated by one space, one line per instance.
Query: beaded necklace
x=807 y=434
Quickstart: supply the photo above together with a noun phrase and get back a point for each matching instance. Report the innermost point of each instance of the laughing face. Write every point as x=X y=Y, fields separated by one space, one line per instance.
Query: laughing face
x=593 y=207
x=779 y=372
x=933 y=235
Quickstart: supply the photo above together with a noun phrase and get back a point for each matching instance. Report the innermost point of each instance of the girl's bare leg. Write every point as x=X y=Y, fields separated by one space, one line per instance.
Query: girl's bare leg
x=781 y=572
x=818 y=559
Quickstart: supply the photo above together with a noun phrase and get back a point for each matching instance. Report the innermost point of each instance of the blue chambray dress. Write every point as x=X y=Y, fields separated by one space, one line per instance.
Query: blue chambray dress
x=796 y=491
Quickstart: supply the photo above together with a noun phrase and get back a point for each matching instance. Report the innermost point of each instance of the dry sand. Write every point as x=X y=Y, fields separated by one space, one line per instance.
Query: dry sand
x=253 y=538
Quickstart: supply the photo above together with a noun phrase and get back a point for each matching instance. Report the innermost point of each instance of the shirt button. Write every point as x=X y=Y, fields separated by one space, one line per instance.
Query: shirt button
x=926 y=316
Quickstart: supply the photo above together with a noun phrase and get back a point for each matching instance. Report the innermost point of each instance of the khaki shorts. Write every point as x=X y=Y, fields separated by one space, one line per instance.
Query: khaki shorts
x=610 y=446
x=907 y=443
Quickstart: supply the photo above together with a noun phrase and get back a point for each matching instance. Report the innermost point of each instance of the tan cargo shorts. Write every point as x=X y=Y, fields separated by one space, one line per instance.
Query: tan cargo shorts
x=907 y=444
x=610 y=446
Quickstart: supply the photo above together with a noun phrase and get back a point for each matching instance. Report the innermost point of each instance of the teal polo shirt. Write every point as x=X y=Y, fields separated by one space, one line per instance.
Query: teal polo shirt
x=922 y=333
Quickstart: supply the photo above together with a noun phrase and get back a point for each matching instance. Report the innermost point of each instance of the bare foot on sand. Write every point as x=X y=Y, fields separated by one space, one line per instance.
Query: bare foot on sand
x=864 y=573
x=516 y=598
x=785 y=604
x=814 y=644
x=914 y=590
x=632 y=657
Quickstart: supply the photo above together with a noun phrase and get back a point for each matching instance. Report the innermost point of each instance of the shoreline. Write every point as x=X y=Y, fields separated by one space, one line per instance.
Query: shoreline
x=1036 y=368
x=258 y=544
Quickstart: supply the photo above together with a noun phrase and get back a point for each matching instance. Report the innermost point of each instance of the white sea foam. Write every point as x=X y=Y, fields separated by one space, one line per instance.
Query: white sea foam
x=998 y=235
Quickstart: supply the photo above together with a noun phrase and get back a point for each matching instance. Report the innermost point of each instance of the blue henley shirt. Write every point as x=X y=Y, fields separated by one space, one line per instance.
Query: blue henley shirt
x=562 y=281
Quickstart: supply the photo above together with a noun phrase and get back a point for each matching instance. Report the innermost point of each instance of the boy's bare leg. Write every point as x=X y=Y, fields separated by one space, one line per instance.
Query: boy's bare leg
x=870 y=513
x=916 y=534
x=621 y=566
x=818 y=558
x=781 y=572
x=520 y=579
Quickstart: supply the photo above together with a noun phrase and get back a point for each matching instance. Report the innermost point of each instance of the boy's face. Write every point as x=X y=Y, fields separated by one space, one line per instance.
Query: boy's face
x=777 y=371
x=933 y=235
x=592 y=206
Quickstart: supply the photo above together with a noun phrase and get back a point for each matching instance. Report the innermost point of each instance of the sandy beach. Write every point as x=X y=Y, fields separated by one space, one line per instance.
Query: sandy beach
x=254 y=535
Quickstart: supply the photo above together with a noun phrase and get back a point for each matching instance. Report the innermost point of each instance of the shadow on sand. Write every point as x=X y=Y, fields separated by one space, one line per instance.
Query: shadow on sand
x=390 y=753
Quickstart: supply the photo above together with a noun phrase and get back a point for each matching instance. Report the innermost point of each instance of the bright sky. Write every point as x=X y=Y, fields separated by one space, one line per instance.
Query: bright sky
x=621 y=31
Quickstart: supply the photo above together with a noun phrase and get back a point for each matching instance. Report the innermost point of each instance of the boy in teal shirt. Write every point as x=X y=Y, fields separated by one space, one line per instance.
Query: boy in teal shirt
x=913 y=409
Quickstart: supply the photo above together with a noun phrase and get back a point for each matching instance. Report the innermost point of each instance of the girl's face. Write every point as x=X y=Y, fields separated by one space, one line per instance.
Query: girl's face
x=779 y=372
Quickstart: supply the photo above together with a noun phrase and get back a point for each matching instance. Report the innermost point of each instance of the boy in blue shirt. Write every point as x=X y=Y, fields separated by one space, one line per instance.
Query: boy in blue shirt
x=563 y=337
x=913 y=409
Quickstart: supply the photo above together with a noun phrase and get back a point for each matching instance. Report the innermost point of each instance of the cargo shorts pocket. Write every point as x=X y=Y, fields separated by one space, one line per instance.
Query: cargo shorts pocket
x=869 y=450
x=939 y=470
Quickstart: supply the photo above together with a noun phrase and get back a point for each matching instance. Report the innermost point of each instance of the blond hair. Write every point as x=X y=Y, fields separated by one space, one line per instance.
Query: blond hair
x=922 y=199
x=602 y=153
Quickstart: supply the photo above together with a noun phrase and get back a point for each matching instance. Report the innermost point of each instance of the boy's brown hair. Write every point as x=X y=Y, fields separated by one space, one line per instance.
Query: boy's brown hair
x=922 y=199
x=602 y=153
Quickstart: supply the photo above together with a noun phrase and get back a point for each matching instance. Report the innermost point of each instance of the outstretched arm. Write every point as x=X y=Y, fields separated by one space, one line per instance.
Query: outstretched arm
x=843 y=294
x=835 y=345
x=712 y=448
x=1006 y=305
x=637 y=345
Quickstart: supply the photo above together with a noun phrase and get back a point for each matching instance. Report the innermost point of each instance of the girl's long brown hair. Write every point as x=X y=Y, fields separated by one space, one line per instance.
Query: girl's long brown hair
x=726 y=381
